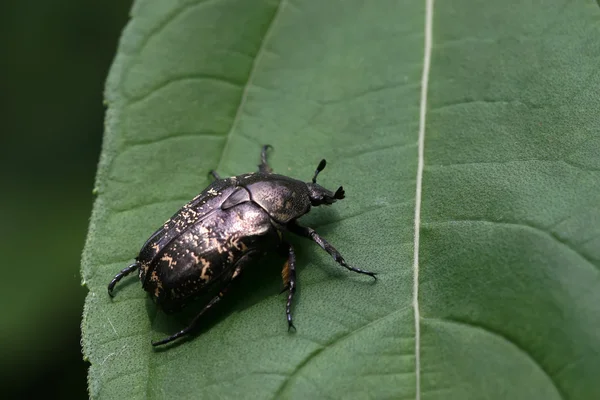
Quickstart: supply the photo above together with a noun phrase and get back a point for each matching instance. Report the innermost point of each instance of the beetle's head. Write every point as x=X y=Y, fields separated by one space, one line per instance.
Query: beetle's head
x=318 y=194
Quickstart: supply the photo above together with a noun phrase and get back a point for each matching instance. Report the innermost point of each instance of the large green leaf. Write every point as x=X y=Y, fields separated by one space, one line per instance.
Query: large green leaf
x=471 y=164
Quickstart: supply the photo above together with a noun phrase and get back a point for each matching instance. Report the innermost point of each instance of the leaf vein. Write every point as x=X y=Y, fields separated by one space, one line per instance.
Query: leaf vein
x=419 y=183
x=504 y=337
x=253 y=69
x=166 y=21
x=133 y=100
x=311 y=356
x=551 y=235
x=215 y=135
x=153 y=203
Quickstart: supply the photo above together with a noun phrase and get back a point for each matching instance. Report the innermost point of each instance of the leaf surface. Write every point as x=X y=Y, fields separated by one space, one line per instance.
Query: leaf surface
x=493 y=178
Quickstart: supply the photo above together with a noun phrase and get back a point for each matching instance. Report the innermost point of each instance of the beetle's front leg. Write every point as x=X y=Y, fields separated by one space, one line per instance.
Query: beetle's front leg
x=288 y=274
x=314 y=236
x=120 y=275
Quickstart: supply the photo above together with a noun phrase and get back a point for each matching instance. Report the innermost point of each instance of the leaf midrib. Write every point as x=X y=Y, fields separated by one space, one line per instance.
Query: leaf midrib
x=419 y=185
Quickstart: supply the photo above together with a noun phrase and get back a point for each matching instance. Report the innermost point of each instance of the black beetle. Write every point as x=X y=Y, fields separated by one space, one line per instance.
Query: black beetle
x=214 y=237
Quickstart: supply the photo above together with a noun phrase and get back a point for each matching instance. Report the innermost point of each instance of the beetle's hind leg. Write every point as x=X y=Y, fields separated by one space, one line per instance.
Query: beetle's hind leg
x=121 y=275
x=192 y=324
x=314 y=236
x=264 y=165
x=288 y=274
x=214 y=174
x=207 y=307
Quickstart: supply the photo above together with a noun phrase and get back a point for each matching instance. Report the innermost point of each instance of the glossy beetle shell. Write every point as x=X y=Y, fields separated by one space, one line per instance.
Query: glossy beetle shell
x=220 y=231
x=203 y=247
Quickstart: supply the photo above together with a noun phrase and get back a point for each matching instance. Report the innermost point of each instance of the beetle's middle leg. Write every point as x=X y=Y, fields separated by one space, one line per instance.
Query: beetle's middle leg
x=288 y=274
x=264 y=165
x=314 y=236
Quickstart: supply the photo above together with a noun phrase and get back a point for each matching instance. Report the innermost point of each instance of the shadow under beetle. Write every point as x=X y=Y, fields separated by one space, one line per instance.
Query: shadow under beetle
x=214 y=237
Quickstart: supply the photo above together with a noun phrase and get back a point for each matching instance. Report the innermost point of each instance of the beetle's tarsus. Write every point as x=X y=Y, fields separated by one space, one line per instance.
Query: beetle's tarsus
x=167 y=340
x=192 y=324
x=264 y=165
x=214 y=174
x=124 y=272
x=291 y=327
x=324 y=244
x=289 y=274
x=362 y=271
x=339 y=194
x=173 y=337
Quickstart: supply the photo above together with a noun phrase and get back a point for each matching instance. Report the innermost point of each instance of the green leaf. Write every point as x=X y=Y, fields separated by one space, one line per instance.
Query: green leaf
x=471 y=164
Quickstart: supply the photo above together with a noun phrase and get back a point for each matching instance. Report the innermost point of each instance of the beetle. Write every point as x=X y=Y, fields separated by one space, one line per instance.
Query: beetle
x=205 y=245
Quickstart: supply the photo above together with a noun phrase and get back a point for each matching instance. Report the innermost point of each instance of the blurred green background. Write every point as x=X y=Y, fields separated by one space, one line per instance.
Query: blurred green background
x=53 y=63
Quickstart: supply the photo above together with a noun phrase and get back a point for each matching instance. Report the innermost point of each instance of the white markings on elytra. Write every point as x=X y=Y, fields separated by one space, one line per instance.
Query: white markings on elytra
x=421 y=162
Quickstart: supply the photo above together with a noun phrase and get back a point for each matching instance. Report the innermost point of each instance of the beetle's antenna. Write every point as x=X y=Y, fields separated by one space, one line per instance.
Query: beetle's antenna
x=320 y=168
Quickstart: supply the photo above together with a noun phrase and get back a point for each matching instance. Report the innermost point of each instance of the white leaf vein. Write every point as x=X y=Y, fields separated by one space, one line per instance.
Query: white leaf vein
x=419 y=189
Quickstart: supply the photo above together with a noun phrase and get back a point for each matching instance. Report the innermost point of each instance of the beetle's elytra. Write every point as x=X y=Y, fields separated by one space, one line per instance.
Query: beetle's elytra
x=214 y=237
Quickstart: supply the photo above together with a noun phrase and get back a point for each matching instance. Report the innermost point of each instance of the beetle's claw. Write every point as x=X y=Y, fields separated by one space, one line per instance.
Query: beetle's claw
x=339 y=193
x=111 y=287
x=291 y=326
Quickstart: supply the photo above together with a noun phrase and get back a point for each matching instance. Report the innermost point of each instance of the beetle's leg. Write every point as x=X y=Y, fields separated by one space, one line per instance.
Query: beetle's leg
x=314 y=236
x=192 y=324
x=288 y=274
x=214 y=174
x=211 y=303
x=120 y=275
x=264 y=165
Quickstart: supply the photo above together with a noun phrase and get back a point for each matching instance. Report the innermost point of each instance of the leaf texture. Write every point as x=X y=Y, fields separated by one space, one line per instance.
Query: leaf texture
x=479 y=149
